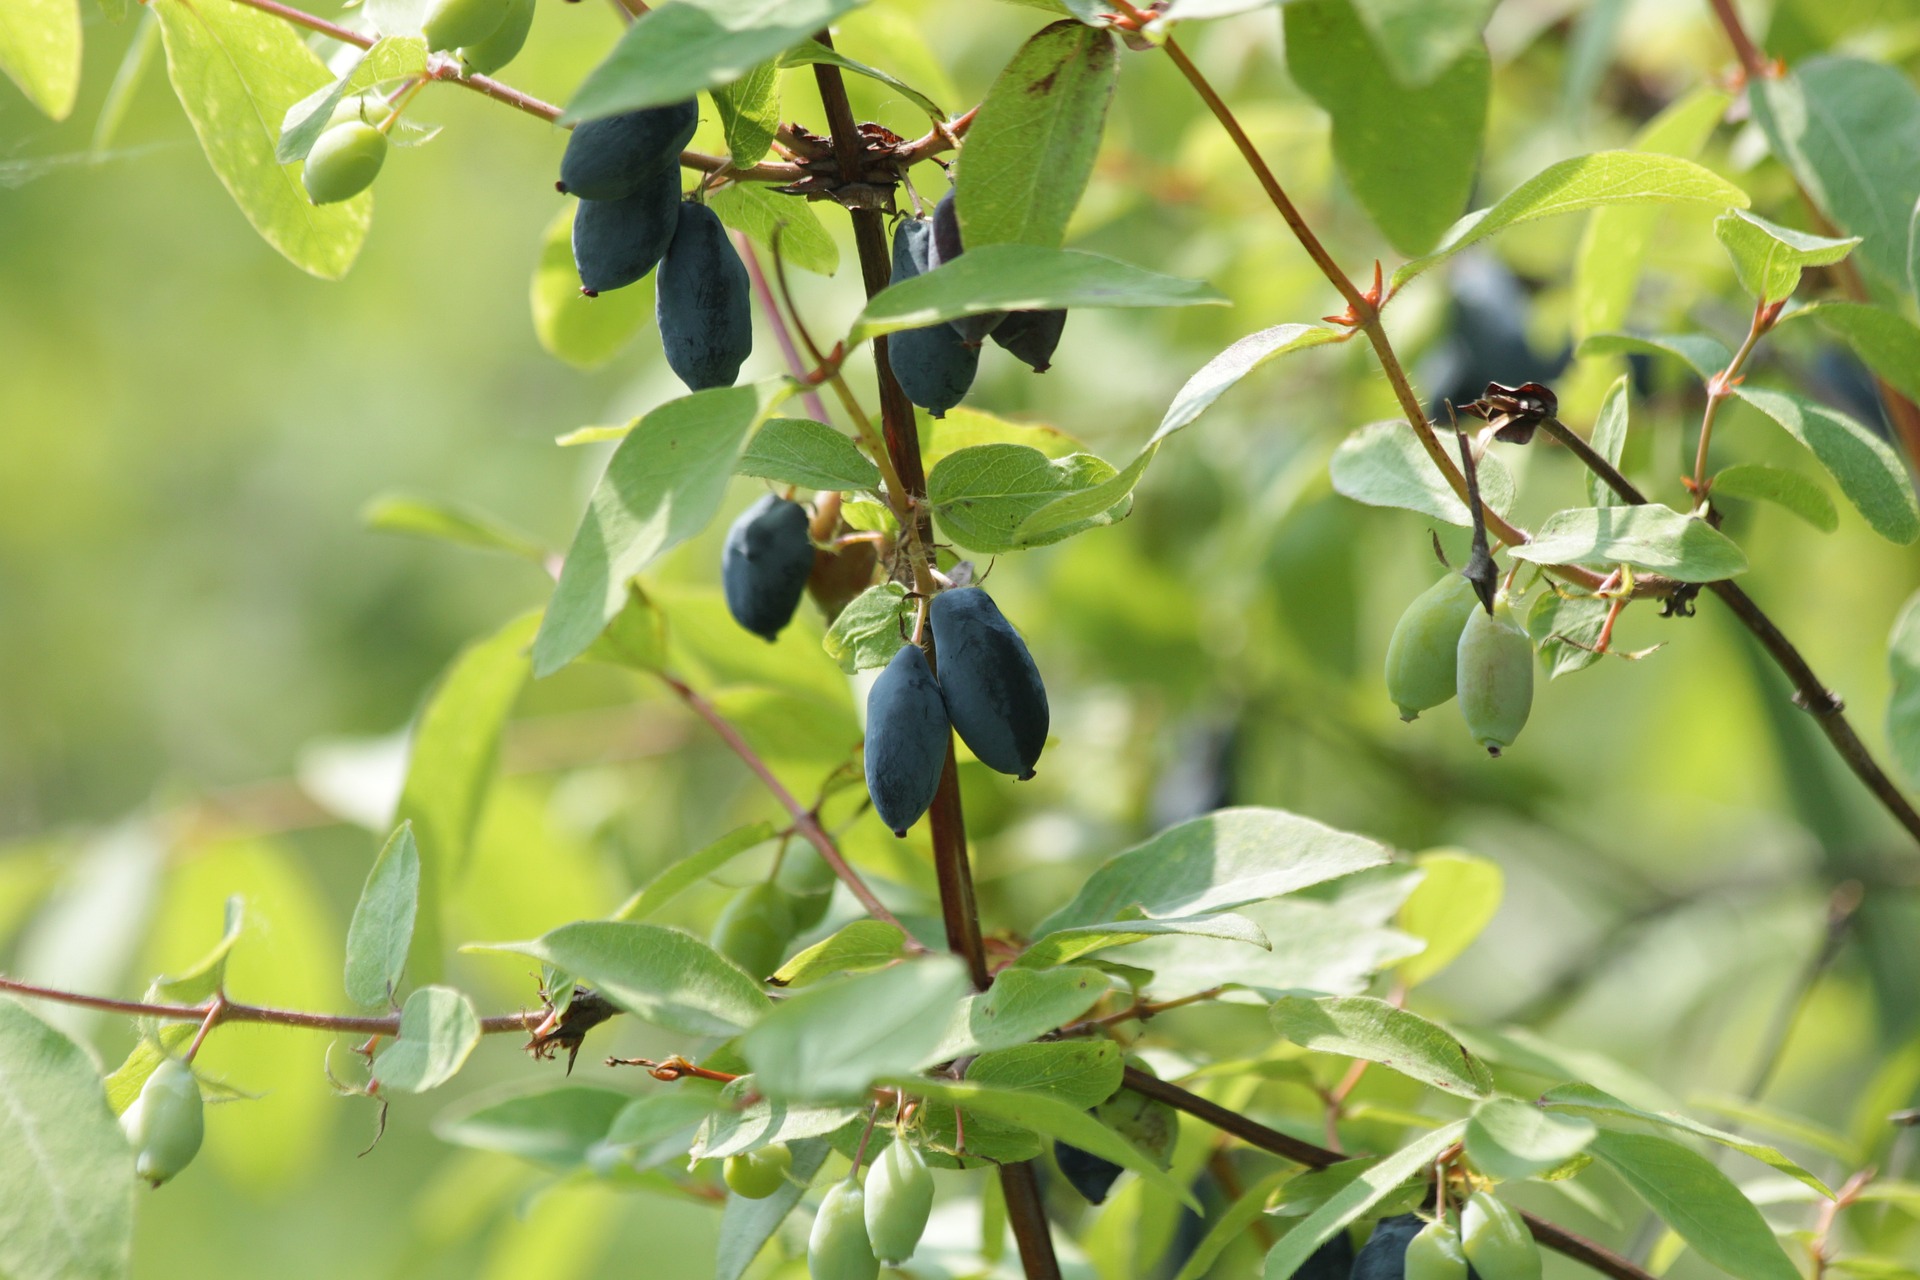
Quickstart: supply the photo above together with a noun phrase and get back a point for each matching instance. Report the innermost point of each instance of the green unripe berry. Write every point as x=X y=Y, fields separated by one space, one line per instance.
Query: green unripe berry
x=164 y=1124
x=365 y=108
x=1496 y=1240
x=1495 y=674
x=344 y=162
x=808 y=881
x=838 y=1248
x=1423 y=655
x=754 y=930
x=1435 y=1253
x=757 y=1174
x=452 y=23
x=899 y=1202
x=487 y=56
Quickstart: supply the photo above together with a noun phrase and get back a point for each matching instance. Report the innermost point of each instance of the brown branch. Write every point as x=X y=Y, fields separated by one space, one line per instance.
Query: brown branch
x=1255 y=1134
x=805 y=822
x=231 y=1011
x=1810 y=693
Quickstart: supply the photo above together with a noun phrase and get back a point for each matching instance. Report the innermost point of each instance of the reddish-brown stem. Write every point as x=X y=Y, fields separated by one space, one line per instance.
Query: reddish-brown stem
x=216 y=1009
x=232 y=1011
x=770 y=308
x=1720 y=387
x=1752 y=61
x=1255 y=1134
x=804 y=821
x=1142 y=1010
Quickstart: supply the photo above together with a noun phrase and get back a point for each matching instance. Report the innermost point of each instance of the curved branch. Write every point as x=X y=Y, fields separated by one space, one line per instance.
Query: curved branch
x=232 y=1011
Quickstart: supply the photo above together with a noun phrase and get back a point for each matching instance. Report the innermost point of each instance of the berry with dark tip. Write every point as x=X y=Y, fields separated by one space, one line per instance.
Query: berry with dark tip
x=993 y=691
x=765 y=564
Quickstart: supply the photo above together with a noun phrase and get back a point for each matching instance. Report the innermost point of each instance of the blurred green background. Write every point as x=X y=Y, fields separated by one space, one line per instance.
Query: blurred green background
x=205 y=658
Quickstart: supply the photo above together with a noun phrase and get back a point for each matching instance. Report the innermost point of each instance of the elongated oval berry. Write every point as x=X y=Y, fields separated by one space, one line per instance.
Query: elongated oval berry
x=755 y=928
x=808 y=881
x=765 y=564
x=906 y=746
x=1091 y=1175
x=345 y=160
x=484 y=57
x=1423 y=657
x=899 y=1202
x=994 y=695
x=608 y=158
x=165 y=1123
x=1032 y=336
x=1496 y=1241
x=944 y=247
x=932 y=365
x=452 y=23
x=1331 y=1261
x=1435 y=1253
x=1495 y=676
x=837 y=1249
x=757 y=1174
x=1384 y=1255
x=617 y=242
x=704 y=302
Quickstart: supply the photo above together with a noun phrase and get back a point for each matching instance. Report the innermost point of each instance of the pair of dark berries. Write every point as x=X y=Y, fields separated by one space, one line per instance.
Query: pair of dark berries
x=626 y=171
x=936 y=365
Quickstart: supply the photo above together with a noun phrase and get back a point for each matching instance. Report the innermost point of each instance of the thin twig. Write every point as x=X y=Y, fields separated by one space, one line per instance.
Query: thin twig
x=232 y=1011
x=1255 y=1134
x=770 y=308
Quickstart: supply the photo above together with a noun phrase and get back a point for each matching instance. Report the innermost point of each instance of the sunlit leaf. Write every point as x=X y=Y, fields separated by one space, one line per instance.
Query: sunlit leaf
x=381 y=930
x=1363 y=1027
x=438 y=1029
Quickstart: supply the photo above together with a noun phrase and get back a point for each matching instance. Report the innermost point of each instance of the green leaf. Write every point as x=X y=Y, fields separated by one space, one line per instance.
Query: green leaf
x=552 y=1125
x=1763 y=1118
x=686 y=47
x=690 y=870
x=1032 y=145
x=1783 y=488
x=438 y=1029
x=1384 y=464
x=834 y=1040
x=663 y=976
x=1409 y=153
x=1236 y=362
x=1378 y=1181
x=1698 y=1201
x=40 y=52
x=749 y=110
x=1586 y=182
x=812 y=51
x=747 y=1225
x=749 y=1122
x=584 y=332
x=1363 y=1027
x=637 y=636
x=1651 y=537
x=1561 y=626
x=1023 y=277
x=1606 y=272
x=450 y=768
x=863 y=944
x=1231 y=1223
x=1769 y=258
x=1081 y=1073
x=66 y=1186
x=236 y=70
x=1215 y=863
x=1704 y=355
x=1050 y=1118
x=391 y=58
x=1609 y=439
x=1421 y=38
x=1867 y=471
x=867 y=632
x=1903 y=708
x=209 y=973
x=810 y=454
x=1511 y=1140
x=984 y=494
x=1020 y=1005
x=760 y=212
x=963 y=427
x=1065 y=945
x=662 y=485
x=654 y=1130
x=1613 y=1114
x=1846 y=127
x=1885 y=340
x=382 y=926
x=1457 y=897
x=448 y=522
